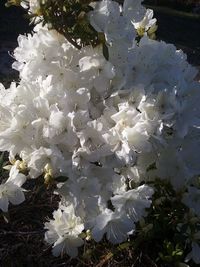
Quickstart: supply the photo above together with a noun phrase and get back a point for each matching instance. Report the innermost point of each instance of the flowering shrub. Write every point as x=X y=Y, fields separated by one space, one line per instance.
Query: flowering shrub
x=104 y=129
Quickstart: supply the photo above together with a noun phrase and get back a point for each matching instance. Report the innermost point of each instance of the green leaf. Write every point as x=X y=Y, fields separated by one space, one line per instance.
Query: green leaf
x=124 y=246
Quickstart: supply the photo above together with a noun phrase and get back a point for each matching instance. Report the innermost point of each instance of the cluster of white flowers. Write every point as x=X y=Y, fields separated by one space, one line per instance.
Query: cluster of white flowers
x=110 y=127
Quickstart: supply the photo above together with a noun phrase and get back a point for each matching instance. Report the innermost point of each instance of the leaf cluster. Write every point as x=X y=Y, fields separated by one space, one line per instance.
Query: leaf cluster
x=170 y=220
x=68 y=17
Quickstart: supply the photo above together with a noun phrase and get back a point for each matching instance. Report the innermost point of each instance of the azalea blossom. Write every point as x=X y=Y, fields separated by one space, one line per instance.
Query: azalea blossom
x=105 y=128
x=134 y=202
x=116 y=226
x=64 y=232
x=147 y=24
x=11 y=190
x=191 y=198
x=195 y=253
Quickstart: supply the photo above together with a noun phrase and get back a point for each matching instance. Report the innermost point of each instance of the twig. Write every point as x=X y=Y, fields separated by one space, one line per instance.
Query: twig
x=105 y=259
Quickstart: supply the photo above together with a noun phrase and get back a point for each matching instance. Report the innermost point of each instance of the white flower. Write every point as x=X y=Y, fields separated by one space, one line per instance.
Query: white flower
x=134 y=202
x=16 y=177
x=64 y=231
x=137 y=137
x=192 y=199
x=147 y=22
x=67 y=245
x=37 y=160
x=88 y=62
x=171 y=166
x=83 y=193
x=107 y=18
x=133 y=10
x=104 y=12
x=107 y=126
x=194 y=254
x=115 y=225
x=9 y=192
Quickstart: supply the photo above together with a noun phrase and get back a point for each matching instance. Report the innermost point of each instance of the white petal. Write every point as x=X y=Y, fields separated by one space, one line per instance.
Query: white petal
x=4 y=203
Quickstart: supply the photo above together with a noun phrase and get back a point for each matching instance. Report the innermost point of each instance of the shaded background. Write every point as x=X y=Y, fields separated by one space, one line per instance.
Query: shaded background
x=184 y=5
x=12 y=23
